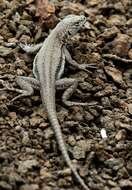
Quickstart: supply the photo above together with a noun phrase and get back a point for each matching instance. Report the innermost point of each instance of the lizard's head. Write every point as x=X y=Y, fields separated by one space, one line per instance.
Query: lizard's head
x=71 y=24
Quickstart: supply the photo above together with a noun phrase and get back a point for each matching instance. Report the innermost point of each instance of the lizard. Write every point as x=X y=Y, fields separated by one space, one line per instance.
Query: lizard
x=48 y=67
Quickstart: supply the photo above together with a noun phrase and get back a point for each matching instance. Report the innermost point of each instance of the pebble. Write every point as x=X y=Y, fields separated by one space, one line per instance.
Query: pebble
x=71 y=140
x=130 y=108
x=130 y=53
x=129 y=167
x=65 y=172
x=121 y=135
x=117 y=20
x=121 y=45
x=12 y=115
x=114 y=163
x=88 y=116
x=4 y=51
x=116 y=188
x=24 y=166
x=107 y=91
x=78 y=152
x=48 y=133
x=5 y=186
x=62 y=183
x=25 y=139
x=35 y=121
x=125 y=183
x=109 y=33
x=29 y=187
x=18 y=128
x=44 y=174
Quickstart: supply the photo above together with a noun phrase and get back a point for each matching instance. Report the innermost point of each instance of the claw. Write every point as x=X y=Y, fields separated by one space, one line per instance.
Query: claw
x=92 y=65
x=25 y=47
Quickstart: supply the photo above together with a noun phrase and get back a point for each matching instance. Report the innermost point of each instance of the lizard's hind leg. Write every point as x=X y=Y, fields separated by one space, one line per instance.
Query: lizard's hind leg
x=71 y=85
x=27 y=85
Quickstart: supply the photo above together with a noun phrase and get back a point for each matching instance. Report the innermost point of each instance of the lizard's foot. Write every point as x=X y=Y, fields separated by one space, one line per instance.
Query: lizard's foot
x=70 y=85
x=25 y=47
x=30 y=48
x=7 y=88
x=85 y=67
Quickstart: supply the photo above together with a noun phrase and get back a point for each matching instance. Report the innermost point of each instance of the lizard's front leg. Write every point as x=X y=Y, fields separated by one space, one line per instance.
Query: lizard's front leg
x=31 y=48
x=75 y=64
x=70 y=85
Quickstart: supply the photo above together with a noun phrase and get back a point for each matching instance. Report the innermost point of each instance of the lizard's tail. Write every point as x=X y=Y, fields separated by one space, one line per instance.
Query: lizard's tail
x=57 y=129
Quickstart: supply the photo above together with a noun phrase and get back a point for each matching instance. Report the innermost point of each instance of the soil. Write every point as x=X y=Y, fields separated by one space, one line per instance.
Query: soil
x=98 y=137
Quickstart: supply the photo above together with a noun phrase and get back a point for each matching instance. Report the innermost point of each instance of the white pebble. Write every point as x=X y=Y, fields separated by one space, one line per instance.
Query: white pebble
x=103 y=134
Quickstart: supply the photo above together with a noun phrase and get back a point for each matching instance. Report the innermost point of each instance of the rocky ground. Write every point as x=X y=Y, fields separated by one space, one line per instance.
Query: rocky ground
x=29 y=155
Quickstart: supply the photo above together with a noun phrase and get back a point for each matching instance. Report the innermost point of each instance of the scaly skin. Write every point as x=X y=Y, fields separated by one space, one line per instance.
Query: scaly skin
x=48 y=61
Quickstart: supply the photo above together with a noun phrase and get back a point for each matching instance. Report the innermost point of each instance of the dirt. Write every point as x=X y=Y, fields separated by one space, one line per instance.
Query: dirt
x=98 y=137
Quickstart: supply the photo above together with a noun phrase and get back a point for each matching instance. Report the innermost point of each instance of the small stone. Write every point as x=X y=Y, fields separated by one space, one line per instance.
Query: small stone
x=112 y=183
x=65 y=172
x=109 y=33
x=14 y=177
x=116 y=188
x=5 y=186
x=130 y=53
x=48 y=133
x=121 y=45
x=29 y=187
x=24 y=166
x=3 y=110
x=117 y=20
x=114 y=163
x=125 y=183
x=18 y=128
x=103 y=134
x=45 y=174
x=107 y=91
x=12 y=40
x=123 y=126
x=30 y=150
x=121 y=135
x=35 y=121
x=12 y=115
x=88 y=116
x=86 y=86
x=106 y=176
x=78 y=116
x=79 y=151
x=45 y=187
x=4 y=51
x=25 y=139
x=71 y=140
x=129 y=167
x=105 y=102
x=129 y=22
x=3 y=97
x=130 y=108
x=62 y=183
x=114 y=73
x=2 y=60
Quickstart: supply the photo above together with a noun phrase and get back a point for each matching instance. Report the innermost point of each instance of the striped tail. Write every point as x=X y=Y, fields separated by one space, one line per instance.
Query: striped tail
x=57 y=129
